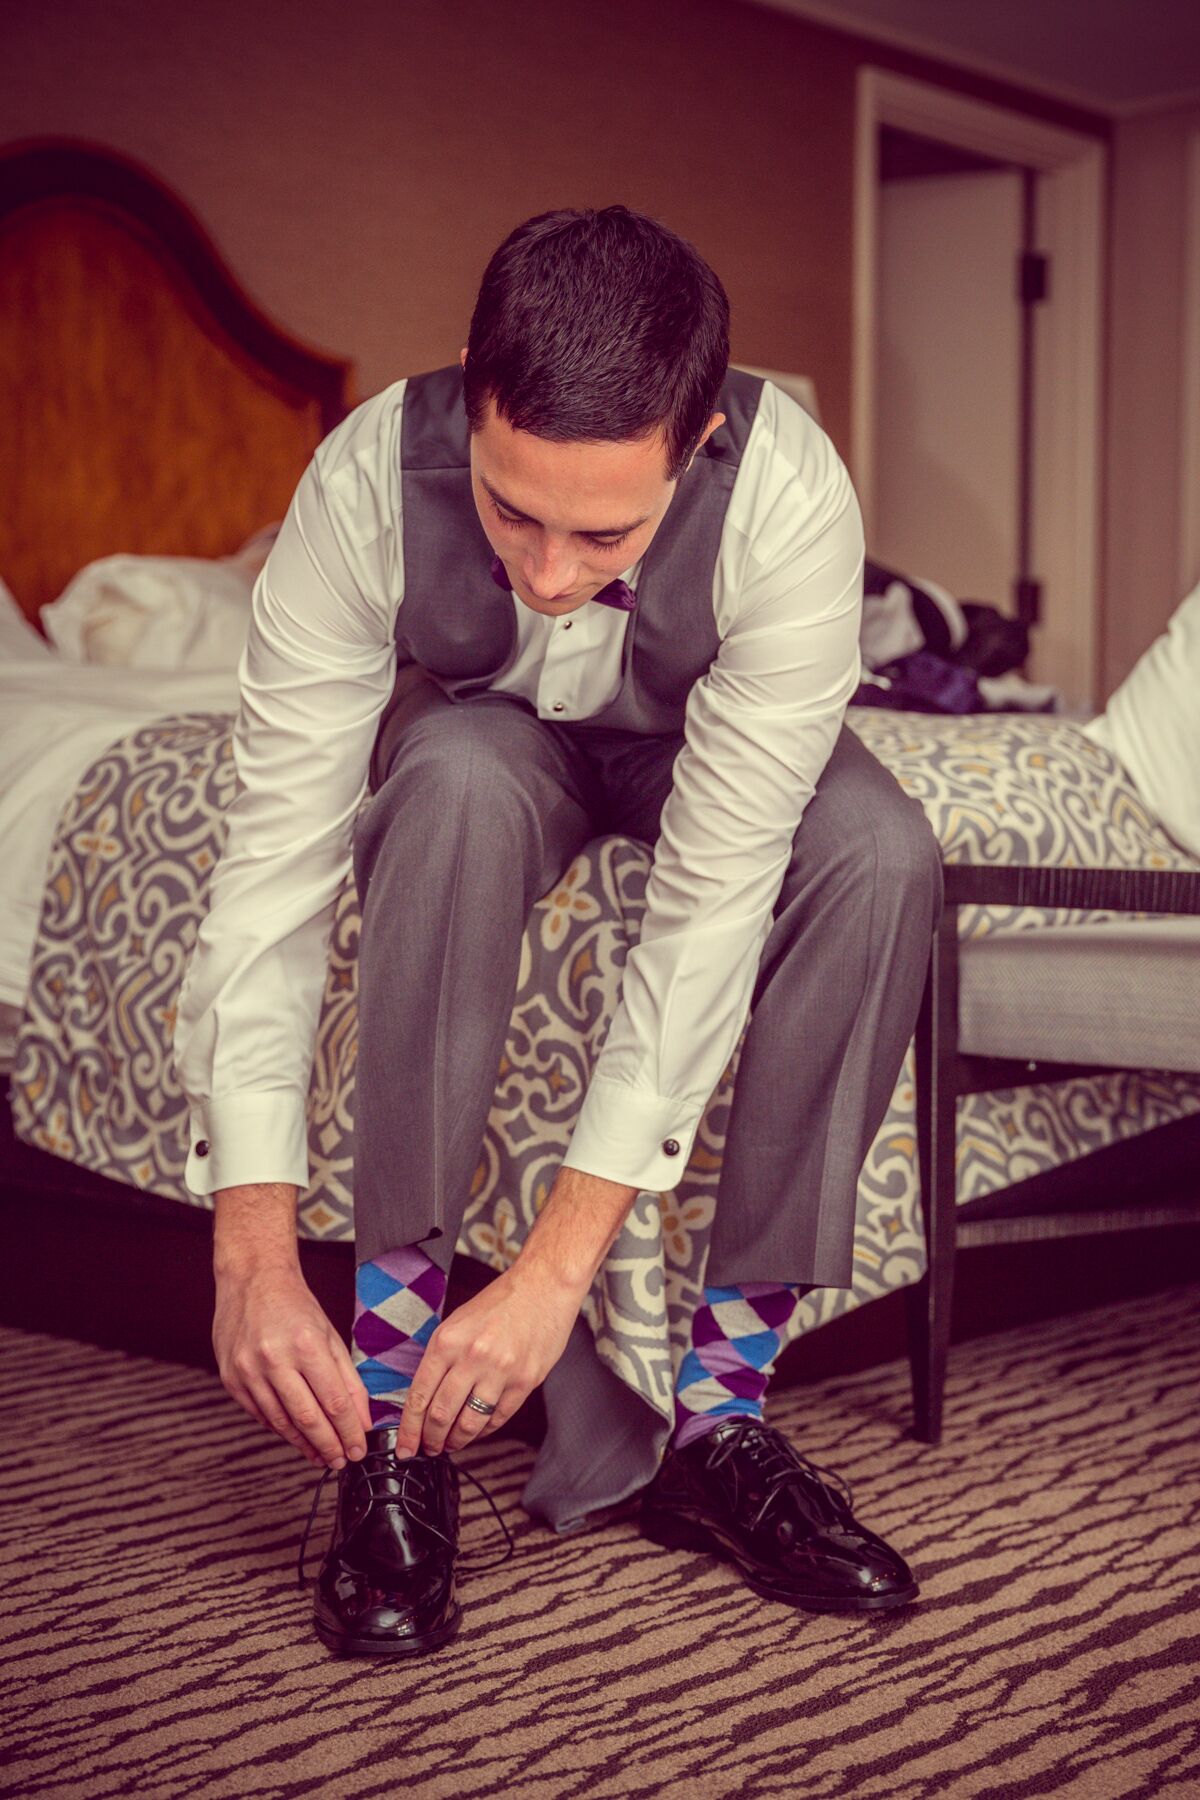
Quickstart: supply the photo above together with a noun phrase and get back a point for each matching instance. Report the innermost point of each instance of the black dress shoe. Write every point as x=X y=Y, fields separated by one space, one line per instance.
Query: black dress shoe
x=743 y=1493
x=386 y=1584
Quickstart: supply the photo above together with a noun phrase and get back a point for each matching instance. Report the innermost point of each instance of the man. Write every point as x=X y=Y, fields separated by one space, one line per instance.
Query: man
x=593 y=581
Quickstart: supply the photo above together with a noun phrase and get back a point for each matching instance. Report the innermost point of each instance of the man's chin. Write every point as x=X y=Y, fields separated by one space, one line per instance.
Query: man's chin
x=554 y=607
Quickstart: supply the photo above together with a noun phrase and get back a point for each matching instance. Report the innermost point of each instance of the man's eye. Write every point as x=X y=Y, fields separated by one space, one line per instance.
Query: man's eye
x=596 y=543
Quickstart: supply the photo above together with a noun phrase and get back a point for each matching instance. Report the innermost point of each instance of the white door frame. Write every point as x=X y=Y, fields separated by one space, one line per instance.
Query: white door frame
x=1189 y=388
x=1067 y=449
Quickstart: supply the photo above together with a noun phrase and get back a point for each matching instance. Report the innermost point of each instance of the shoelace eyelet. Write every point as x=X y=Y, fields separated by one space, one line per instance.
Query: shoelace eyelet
x=383 y=1463
x=783 y=1465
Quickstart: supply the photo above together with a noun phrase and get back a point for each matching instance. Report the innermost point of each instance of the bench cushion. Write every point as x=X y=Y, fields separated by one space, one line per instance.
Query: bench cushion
x=1122 y=993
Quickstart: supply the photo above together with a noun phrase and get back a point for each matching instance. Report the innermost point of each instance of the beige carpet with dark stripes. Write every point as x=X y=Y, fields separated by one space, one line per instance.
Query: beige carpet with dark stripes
x=156 y=1642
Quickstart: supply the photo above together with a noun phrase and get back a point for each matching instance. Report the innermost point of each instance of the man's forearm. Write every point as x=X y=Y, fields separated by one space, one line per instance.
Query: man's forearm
x=571 y=1235
x=254 y=1226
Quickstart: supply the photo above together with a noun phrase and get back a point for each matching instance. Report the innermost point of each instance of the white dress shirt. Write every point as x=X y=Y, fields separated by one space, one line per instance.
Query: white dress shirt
x=317 y=669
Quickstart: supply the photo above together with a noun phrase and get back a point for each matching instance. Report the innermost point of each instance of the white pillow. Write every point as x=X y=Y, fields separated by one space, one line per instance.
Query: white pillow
x=18 y=639
x=158 y=612
x=1152 y=724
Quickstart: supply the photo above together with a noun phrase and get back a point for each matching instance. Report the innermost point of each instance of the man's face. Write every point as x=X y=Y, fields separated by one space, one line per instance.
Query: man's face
x=565 y=519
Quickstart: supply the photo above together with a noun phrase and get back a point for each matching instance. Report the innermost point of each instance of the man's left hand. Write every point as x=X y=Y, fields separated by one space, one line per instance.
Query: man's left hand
x=498 y=1346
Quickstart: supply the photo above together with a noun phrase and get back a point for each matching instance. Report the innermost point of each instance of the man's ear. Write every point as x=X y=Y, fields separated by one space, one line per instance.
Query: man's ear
x=462 y=359
x=714 y=424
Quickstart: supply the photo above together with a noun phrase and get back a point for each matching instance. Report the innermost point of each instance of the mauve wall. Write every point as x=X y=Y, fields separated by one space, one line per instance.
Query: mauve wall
x=356 y=164
x=1144 y=526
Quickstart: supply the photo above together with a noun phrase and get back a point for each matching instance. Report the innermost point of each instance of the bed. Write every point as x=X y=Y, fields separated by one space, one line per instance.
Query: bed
x=115 y=794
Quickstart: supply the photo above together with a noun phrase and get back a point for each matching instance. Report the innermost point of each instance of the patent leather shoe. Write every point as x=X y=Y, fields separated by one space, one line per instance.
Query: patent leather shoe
x=386 y=1585
x=743 y=1493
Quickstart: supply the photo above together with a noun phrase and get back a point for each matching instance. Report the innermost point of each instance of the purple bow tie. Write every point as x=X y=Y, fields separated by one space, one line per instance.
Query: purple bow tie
x=617 y=593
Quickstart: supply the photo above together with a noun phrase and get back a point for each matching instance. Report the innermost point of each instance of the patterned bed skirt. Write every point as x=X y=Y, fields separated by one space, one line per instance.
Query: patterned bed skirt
x=126 y=889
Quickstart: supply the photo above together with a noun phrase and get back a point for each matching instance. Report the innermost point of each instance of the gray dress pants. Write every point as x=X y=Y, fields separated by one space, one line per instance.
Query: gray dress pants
x=478 y=808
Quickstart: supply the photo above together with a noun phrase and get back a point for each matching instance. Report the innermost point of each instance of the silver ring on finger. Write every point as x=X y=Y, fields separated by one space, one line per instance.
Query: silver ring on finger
x=478 y=1405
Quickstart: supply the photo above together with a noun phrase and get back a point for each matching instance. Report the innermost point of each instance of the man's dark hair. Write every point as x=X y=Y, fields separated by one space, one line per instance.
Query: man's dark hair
x=599 y=326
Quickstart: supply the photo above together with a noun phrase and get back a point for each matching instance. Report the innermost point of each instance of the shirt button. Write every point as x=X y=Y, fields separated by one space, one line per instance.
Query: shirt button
x=566 y=624
x=202 y=1147
x=557 y=707
x=671 y=1147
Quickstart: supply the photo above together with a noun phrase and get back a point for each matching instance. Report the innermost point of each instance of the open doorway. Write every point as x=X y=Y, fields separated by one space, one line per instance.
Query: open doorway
x=976 y=449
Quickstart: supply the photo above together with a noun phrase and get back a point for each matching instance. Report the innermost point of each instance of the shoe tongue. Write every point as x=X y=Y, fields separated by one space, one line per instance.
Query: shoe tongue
x=748 y=1433
x=400 y=1505
x=387 y=1470
x=805 y=1489
x=379 y=1464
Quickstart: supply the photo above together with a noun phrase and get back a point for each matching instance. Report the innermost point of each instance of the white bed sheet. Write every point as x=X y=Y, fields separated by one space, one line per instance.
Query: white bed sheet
x=55 y=718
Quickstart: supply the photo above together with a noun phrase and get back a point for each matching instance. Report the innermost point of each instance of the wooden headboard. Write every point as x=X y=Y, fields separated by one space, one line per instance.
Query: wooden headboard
x=147 y=404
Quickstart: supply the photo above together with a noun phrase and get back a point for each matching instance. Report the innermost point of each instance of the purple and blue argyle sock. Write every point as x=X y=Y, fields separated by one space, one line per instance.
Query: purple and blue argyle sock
x=737 y=1332
x=398 y=1301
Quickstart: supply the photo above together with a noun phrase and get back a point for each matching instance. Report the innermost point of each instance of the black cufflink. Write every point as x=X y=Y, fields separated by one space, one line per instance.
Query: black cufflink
x=671 y=1147
x=202 y=1147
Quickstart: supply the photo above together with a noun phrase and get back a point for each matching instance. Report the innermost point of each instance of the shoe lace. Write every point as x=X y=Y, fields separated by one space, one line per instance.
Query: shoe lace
x=378 y=1463
x=784 y=1467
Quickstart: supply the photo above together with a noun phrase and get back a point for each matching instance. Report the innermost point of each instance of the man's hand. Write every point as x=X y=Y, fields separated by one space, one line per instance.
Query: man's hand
x=281 y=1359
x=277 y=1353
x=499 y=1346
x=506 y=1340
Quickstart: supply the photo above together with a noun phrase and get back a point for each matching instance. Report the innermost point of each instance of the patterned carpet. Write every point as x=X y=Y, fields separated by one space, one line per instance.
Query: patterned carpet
x=155 y=1641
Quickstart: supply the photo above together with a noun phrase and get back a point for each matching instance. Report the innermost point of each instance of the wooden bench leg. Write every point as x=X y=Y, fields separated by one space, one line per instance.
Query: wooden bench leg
x=929 y=1302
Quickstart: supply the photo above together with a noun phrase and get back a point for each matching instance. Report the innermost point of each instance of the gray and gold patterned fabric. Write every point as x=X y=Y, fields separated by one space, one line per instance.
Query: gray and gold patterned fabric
x=126 y=888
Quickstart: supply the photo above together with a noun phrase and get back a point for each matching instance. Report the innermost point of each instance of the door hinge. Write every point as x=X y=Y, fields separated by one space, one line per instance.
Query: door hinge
x=1033 y=277
x=1029 y=600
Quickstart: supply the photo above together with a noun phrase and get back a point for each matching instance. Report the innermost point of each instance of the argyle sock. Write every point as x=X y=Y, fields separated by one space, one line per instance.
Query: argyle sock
x=737 y=1333
x=398 y=1299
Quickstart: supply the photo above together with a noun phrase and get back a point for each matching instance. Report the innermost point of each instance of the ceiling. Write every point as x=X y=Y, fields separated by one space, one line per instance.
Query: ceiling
x=1118 y=56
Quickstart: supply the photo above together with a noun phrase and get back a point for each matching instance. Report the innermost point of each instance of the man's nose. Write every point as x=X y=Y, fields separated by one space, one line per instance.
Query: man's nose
x=551 y=570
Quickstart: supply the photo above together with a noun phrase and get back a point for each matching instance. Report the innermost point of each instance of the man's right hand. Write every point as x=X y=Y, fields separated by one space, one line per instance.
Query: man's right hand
x=277 y=1353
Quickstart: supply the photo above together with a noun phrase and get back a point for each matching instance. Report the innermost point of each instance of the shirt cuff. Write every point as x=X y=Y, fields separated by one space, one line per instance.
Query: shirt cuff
x=241 y=1138
x=625 y=1134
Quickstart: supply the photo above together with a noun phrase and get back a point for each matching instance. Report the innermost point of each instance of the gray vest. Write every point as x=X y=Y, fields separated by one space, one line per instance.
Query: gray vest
x=460 y=628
